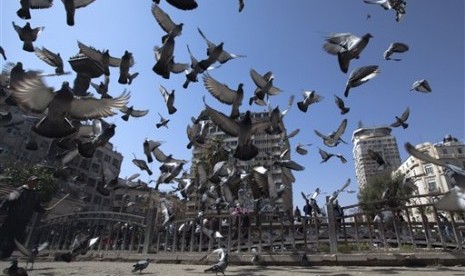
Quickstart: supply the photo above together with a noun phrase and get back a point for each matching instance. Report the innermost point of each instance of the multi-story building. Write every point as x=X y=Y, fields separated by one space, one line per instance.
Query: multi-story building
x=430 y=178
x=270 y=146
x=379 y=140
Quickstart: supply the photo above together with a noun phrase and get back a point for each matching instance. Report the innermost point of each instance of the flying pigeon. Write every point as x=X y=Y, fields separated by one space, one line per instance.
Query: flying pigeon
x=31 y=254
x=395 y=47
x=164 y=58
x=149 y=146
x=166 y=211
x=300 y=148
x=421 y=86
x=103 y=58
x=102 y=88
x=334 y=138
x=51 y=58
x=28 y=35
x=359 y=76
x=453 y=200
x=222 y=263
x=400 y=121
x=191 y=76
x=397 y=5
x=142 y=165
x=310 y=97
x=71 y=6
x=168 y=98
x=346 y=46
x=163 y=121
x=255 y=256
x=87 y=149
x=131 y=112
x=341 y=105
x=2 y=52
x=169 y=66
x=224 y=94
x=164 y=20
x=243 y=130
x=215 y=53
x=32 y=94
x=378 y=158
x=141 y=265
x=81 y=244
x=264 y=85
x=457 y=173
x=25 y=13
x=241 y=5
x=127 y=61
x=325 y=156
x=181 y=4
x=14 y=270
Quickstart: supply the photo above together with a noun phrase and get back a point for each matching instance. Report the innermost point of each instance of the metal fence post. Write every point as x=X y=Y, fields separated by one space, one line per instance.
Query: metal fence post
x=331 y=227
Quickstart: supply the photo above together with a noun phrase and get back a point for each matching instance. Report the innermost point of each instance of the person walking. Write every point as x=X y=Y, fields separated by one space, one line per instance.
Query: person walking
x=20 y=205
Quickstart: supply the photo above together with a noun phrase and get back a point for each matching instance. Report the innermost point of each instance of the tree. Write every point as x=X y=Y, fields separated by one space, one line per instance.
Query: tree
x=17 y=176
x=384 y=190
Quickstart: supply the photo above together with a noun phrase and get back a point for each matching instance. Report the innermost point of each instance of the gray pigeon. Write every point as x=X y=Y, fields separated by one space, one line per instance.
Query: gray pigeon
x=421 y=86
x=32 y=94
x=395 y=47
x=346 y=46
x=2 y=52
x=401 y=121
x=141 y=164
x=225 y=94
x=163 y=121
x=222 y=263
x=31 y=254
x=300 y=148
x=359 y=76
x=168 y=98
x=334 y=138
x=149 y=146
x=164 y=58
x=14 y=270
x=341 y=105
x=51 y=58
x=141 y=265
x=185 y=5
x=215 y=53
x=127 y=61
x=28 y=35
x=310 y=97
x=243 y=130
x=378 y=158
x=25 y=13
x=397 y=5
x=325 y=156
x=265 y=87
x=164 y=20
x=103 y=58
x=71 y=6
x=131 y=112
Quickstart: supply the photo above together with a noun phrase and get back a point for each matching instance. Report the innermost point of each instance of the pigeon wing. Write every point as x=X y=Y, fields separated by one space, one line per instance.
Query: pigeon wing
x=162 y=18
x=219 y=90
x=224 y=122
x=91 y=108
x=32 y=94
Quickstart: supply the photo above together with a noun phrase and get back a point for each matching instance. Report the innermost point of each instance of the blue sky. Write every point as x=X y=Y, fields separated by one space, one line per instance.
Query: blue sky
x=284 y=37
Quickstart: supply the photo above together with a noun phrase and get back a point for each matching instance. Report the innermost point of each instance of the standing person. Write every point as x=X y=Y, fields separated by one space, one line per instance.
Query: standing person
x=19 y=206
x=297 y=214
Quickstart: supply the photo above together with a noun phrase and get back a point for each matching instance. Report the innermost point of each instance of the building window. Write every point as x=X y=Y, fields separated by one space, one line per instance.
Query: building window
x=459 y=150
x=432 y=187
x=444 y=151
x=429 y=170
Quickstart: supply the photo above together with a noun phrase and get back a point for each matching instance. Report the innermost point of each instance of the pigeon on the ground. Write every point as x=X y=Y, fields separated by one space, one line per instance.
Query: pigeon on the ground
x=164 y=20
x=225 y=94
x=131 y=112
x=163 y=121
x=51 y=58
x=71 y=6
x=359 y=76
x=141 y=265
x=334 y=138
x=222 y=263
x=341 y=105
x=185 y=5
x=401 y=121
x=395 y=47
x=25 y=13
x=28 y=35
x=169 y=99
x=310 y=97
x=243 y=130
x=421 y=86
x=346 y=46
x=32 y=94
x=14 y=269
x=31 y=254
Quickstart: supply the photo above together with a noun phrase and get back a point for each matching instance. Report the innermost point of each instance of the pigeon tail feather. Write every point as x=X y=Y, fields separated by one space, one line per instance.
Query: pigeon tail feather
x=54 y=128
x=246 y=152
x=303 y=107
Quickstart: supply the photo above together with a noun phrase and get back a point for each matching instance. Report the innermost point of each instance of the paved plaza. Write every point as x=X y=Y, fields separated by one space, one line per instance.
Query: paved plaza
x=124 y=268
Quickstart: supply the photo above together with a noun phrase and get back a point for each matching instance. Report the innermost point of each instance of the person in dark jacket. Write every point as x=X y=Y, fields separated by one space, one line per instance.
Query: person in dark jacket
x=20 y=205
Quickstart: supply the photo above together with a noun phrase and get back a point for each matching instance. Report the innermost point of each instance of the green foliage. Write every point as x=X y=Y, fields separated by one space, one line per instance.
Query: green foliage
x=18 y=176
x=395 y=193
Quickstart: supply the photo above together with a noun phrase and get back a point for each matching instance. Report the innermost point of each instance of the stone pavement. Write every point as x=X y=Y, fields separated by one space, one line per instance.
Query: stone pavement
x=106 y=268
